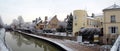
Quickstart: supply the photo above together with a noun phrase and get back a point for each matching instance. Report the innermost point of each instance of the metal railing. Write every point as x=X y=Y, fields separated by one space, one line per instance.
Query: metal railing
x=116 y=46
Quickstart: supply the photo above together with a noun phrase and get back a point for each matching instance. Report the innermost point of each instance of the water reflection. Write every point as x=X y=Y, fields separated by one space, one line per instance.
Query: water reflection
x=19 y=42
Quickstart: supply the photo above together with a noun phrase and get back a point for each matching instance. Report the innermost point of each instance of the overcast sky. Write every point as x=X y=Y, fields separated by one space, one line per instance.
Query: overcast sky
x=31 y=9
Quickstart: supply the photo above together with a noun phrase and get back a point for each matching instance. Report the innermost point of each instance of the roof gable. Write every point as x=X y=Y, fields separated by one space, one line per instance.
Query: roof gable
x=54 y=19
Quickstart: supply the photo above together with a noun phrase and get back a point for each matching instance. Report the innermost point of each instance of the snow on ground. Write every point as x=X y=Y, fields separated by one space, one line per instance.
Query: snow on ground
x=58 y=33
x=3 y=46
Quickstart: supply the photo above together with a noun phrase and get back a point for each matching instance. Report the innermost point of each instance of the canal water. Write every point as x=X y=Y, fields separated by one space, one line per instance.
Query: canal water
x=19 y=42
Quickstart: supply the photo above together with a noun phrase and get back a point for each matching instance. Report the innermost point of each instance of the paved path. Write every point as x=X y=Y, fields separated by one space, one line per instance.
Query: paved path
x=77 y=46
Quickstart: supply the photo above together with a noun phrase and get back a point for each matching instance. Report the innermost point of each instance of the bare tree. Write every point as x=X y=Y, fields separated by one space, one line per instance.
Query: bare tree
x=20 y=21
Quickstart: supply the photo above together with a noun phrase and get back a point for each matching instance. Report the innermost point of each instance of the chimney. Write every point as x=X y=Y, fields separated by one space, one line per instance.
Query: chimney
x=46 y=18
x=93 y=15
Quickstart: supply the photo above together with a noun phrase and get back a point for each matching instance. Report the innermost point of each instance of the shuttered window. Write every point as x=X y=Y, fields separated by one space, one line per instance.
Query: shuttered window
x=113 y=30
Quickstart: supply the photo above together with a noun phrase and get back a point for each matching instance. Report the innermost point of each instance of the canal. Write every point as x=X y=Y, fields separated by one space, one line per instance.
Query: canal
x=19 y=42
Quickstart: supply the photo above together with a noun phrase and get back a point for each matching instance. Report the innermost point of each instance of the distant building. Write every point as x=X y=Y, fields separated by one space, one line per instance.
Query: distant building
x=100 y=20
x=91 y=22
x=39 y=25
x=111 y=25
x=53 y=23
x=79 y=20
x=82 y=20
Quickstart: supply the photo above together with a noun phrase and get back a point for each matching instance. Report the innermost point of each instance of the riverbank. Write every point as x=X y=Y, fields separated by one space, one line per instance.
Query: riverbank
x=66 y=44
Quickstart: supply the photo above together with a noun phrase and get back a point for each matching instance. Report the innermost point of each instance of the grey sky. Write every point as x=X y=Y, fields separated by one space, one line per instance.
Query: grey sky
x=31 y=9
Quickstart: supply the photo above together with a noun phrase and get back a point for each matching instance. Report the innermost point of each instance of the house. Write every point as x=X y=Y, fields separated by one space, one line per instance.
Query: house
x=39 y=24
x=100 y=20
x=53 y=23
x=82 y=20
x=79 y=19
x=111 y=25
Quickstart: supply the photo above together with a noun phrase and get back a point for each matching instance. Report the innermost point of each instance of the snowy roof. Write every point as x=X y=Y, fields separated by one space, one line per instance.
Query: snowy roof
x=114 y=6
x=39 y=21
x=90 y=18
x=99 y=16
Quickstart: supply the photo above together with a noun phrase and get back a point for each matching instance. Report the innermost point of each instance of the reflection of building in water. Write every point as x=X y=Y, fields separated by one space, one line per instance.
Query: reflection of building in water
x=20 y=39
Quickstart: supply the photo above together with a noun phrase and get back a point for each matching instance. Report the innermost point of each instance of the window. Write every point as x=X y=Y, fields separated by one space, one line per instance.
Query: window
x=75 y=24
x=101 y=23
x=113 y=29
x=113 y=19
x=75 y=18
